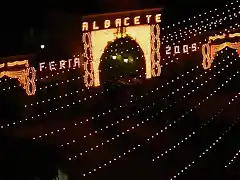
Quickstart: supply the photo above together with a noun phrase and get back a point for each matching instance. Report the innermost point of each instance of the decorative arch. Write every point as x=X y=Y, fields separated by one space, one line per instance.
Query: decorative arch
x=209 y=50
x=26 y=76
x=120 y=70
x=147 y=36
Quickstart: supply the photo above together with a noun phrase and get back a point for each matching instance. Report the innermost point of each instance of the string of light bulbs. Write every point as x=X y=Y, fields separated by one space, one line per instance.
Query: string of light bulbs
x=180 y=32
x=215 y=142
x=193 y=133
x=201 y=30
x=133 y=127
x=79 y=101
x=125 y=105
x=163 y=130
x=66 y=94
x=233 y=159
x=195 y=17
x=109 y=111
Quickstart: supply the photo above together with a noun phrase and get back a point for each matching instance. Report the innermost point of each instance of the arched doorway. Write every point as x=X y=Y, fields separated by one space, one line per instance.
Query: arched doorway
x=122 y=63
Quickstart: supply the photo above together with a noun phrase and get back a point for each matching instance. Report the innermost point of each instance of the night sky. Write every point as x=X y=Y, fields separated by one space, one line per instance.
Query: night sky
x=19 y=18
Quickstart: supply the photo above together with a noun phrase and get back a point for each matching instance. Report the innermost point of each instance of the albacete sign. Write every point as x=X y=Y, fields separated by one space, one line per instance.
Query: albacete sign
x=131 y=20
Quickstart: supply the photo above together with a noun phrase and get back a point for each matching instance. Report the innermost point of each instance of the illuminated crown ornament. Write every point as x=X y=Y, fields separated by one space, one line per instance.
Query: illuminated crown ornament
x=121 y=32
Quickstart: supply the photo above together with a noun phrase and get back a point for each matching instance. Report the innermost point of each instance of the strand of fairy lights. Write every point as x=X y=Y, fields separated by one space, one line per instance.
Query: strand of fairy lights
x=128 y=130
x=148 y=107
x=137 y=126
x=208 y=149
x=121 y=106
x=170 y=105
x=62 y=96
x=233 y=159
x=194 y=17
x=163 y=130
x=105 y=113
x=151 y=91
x=193 y=133
x=200 y=25
x=73 y=103
x=236 y=25
x=188 y=53
x=65 y=95
x=201 y=30
x=76 y=124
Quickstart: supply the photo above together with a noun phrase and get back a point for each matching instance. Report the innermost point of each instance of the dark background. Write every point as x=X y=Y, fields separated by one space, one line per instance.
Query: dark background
x=25 y=24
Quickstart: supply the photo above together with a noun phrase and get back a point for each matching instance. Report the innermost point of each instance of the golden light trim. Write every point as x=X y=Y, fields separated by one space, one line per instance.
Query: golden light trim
x=100 y=40
x=206 y=56
x=88 y=75
x=213 y=38
x=2 y=65
x=18 y=63
x=155 y=50
x=234 y=35
x=26 y=77
x=209 y=52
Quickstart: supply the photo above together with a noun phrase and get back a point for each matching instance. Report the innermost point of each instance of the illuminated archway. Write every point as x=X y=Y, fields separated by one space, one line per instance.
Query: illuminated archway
x=146 y=34
x=121 y=61
x=209 y=50
x=25 y=75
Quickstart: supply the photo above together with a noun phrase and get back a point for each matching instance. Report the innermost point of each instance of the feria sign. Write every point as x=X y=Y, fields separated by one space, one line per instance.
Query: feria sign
x=60 y=65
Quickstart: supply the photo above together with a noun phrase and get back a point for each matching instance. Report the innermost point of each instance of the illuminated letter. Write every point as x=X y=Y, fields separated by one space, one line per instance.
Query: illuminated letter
x=41 y=66
x=85 y=26
x=194 y=47
x=148 y=18
x=95 y=27
x=158 y=18
x=62 y=64
x=69 y=63
x=176 y=50
x=52 y=65
x=168 y=50
x=118 y=22
x=126 y=23
x=76 y=62
x=137 y=20
x=185 y=48
x=107 y=23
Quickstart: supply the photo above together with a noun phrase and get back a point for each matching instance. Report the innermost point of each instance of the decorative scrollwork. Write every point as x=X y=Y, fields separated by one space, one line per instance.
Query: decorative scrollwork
x=155 y=50
x=30 y=85
x=206 y=53
x=89 y=74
